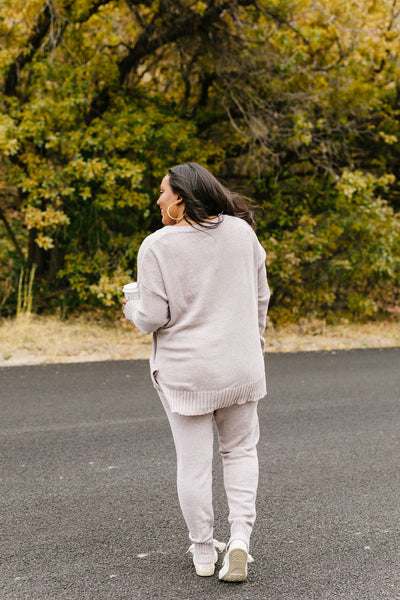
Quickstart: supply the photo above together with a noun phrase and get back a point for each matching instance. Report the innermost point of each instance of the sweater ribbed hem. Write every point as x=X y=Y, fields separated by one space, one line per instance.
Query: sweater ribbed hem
x=201 y=402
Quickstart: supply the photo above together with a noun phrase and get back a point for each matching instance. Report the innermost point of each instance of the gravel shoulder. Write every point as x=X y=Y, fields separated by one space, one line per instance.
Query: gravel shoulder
x=33 y=339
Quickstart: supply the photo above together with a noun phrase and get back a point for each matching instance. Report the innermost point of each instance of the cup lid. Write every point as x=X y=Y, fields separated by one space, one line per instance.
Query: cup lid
x=130 y=286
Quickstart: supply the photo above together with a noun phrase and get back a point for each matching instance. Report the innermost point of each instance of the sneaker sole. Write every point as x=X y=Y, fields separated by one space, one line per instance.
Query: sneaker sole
x=237 y=566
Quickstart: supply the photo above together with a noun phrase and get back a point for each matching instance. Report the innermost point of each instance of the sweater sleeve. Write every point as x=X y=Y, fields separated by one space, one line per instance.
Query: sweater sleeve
x=263 y=294
x=151 y=310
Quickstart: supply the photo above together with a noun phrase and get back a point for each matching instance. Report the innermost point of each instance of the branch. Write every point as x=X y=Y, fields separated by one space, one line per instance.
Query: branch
x=33 y=43
x=42 y=29
x=331 y=19
x=275 y=16
x=153 y=38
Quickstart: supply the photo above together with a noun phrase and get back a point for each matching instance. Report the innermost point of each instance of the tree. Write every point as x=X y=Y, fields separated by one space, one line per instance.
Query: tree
x=100 y=97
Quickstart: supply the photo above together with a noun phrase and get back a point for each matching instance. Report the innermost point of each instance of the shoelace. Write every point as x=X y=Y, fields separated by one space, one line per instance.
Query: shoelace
x=220 y=546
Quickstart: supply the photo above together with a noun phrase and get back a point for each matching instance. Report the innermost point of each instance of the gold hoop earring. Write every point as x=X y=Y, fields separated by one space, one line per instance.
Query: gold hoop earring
x=177 y=219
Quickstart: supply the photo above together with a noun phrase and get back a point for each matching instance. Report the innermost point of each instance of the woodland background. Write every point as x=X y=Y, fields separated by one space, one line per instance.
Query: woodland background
x=295 y=103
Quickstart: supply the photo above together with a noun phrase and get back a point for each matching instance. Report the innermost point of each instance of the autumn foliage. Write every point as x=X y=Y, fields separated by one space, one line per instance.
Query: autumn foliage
x=295 y=103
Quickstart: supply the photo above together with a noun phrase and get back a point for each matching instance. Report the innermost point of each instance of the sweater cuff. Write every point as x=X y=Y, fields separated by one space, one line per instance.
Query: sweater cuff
x=129 y=310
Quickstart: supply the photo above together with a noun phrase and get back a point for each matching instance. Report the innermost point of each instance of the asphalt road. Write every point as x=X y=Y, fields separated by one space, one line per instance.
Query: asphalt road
x=88 y=502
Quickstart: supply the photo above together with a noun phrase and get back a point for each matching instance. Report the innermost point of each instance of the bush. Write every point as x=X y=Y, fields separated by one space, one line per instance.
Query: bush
x=344 y=261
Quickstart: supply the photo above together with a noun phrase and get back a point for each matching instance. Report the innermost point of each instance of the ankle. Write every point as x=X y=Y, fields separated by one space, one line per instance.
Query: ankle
x=240 y=530
x=204 y=553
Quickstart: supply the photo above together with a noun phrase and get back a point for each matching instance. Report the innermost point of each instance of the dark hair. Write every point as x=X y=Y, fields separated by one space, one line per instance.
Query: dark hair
x=205 y=196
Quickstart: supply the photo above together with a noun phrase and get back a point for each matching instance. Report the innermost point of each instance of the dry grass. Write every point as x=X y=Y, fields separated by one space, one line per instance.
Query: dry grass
x=35 y=340
x=317 y=335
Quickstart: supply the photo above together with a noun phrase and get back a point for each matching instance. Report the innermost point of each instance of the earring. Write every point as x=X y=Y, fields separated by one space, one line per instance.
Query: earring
x=173 y=218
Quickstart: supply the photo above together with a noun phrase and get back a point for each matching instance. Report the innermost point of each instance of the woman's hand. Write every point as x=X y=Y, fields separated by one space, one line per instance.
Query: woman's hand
x=124 y=301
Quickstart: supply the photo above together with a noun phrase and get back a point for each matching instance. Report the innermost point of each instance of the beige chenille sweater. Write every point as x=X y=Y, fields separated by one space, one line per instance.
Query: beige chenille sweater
x=204 y=296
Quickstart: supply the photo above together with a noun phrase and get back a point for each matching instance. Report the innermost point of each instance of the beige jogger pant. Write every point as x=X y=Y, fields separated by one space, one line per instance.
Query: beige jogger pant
x=238 y=434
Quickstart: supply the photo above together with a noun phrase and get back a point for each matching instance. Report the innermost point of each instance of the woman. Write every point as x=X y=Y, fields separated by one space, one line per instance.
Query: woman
x=204 y=296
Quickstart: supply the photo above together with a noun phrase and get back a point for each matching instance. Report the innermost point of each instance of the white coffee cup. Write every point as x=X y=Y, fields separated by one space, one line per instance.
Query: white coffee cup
x=131 y=291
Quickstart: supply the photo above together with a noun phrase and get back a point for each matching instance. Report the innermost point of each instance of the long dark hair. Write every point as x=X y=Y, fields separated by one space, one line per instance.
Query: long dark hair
x=205 y=196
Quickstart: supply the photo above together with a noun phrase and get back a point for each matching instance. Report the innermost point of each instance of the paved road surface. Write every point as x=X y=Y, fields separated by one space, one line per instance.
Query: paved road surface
x=88 y=502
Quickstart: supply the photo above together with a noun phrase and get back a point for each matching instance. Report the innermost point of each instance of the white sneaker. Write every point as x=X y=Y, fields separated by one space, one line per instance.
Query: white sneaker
x=234 y=567
x=207 y=569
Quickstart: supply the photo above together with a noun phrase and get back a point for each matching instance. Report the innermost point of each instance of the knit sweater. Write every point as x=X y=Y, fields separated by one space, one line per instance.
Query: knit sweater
x=204 y=296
